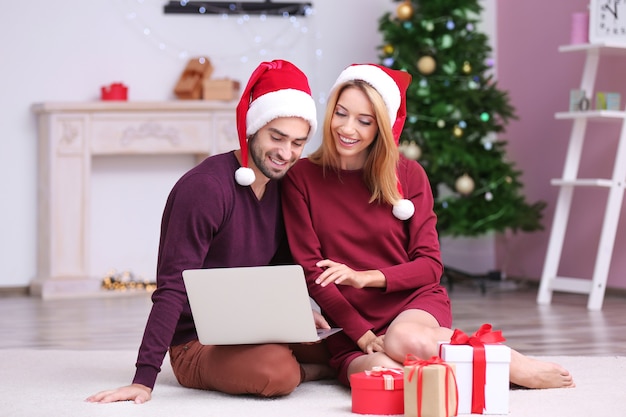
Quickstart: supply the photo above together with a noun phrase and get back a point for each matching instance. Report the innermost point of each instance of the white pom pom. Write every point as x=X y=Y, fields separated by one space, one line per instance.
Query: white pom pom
x=244 y=176
x=403 y=209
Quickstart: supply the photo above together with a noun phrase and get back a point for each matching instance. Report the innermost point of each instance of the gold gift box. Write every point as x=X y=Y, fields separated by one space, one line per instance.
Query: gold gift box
x=434 y=392
x=224 y=89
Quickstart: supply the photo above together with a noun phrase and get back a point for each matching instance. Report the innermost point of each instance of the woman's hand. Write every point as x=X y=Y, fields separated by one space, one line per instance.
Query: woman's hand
x=344 y=275
x=370 y=343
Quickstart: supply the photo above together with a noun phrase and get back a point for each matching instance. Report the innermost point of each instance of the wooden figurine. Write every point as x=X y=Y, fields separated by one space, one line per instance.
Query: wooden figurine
x=190 y=83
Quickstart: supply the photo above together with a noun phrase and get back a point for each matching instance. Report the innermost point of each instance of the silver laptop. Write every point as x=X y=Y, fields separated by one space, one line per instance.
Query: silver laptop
x=250 y=305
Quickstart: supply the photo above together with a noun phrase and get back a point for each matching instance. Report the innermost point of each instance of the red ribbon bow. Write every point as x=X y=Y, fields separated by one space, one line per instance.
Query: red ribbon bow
x=419 y=364
x=483 y=336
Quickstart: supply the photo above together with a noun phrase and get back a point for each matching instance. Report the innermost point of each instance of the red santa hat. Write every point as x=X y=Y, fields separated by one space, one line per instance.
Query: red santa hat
x=275 y=89
x=391 y=85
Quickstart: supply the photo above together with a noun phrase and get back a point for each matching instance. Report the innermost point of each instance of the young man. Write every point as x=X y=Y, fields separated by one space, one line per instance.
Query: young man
x=226 y=212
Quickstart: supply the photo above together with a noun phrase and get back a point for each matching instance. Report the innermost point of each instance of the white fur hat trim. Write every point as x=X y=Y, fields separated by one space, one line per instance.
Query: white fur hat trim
x=281 y=103
x=377 y=78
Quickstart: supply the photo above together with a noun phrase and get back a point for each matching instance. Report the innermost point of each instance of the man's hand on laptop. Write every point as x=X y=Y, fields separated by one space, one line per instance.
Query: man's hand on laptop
x=320 y=321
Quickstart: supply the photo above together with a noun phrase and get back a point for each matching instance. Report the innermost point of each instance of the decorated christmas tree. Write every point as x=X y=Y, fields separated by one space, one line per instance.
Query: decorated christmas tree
x=456 y=116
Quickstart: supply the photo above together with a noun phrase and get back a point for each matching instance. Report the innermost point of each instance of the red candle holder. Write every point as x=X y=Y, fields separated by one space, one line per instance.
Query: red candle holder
x=116 y=91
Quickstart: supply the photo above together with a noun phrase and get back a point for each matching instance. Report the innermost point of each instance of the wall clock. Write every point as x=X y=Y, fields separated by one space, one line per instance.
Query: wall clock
x=607 y=22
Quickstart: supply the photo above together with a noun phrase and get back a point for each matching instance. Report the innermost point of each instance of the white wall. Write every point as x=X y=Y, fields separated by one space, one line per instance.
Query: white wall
x=65 y=50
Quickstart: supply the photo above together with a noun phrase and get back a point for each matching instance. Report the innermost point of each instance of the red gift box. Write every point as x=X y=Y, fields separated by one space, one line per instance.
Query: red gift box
x=379 y=391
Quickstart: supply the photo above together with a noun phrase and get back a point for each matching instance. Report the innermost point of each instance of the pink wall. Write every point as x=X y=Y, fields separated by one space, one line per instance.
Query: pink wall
x=539 y=78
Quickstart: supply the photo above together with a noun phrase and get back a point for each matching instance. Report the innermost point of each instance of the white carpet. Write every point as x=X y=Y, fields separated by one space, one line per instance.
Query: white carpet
x=55 y=383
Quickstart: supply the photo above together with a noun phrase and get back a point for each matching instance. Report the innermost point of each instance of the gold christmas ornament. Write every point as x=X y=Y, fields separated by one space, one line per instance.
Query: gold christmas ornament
x=405 y=11
x=464 y=184
x=467 y=68
x=426 y=65
x=412 y=151
x=388 y=49
x=457 y=131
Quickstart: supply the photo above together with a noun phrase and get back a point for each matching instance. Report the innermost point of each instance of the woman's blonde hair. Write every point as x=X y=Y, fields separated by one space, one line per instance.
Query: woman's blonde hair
x=381 y=165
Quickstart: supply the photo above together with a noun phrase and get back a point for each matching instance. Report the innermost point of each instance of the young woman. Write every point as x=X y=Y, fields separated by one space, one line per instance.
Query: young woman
x=360 y=221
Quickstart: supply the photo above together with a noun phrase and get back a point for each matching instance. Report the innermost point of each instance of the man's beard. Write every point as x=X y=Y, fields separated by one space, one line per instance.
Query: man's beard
x=259 y=160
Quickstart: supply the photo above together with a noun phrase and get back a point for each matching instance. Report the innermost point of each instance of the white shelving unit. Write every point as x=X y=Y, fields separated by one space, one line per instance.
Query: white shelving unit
x=596 y=286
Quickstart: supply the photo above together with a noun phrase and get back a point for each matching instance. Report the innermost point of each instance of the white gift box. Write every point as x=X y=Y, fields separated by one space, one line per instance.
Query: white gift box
x=498 y=358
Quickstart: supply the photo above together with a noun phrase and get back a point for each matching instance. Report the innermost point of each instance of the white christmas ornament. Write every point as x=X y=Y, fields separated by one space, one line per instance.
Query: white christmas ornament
x=464 y=184
x=403 y=209
x=412 y=151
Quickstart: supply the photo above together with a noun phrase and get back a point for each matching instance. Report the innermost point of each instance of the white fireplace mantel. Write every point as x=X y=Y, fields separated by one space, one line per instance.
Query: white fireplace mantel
x=70 y=135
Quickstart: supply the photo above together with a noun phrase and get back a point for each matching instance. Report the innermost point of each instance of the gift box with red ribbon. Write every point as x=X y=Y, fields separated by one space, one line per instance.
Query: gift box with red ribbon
x=482 y=370
x=429 y=388
x=378 y=391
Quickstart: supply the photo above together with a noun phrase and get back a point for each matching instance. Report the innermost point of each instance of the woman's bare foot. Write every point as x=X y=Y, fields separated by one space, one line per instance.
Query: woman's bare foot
x=533 y=373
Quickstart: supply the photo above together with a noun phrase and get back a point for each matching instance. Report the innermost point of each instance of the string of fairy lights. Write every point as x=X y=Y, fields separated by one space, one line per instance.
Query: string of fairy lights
x=287 y=30
x=258 y=37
